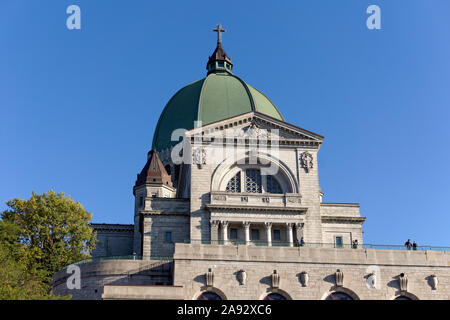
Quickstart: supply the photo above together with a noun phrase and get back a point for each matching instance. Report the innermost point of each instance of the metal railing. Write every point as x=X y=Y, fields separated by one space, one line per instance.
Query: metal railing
x=319 y=245
x=265 y=244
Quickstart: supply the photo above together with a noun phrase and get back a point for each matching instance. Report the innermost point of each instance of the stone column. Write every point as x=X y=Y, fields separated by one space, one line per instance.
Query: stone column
x=268 y=233
x=225 y=232
x=290 y=236
x=215 y=231
x=247 y=231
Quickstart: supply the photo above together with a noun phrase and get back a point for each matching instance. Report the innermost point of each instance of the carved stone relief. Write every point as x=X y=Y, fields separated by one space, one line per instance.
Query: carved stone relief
x=306 y=161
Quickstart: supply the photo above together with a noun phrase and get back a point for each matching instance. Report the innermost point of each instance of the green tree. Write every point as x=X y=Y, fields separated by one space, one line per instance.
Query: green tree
x=52 y=230
x=18 y=279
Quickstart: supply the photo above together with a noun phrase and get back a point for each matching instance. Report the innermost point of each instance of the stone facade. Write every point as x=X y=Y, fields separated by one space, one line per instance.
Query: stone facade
x=199 y=209
x=236 y=209
x=113 y=240
x=357 y=265
x=366 y=274
x=200 y=226
x=95 y=275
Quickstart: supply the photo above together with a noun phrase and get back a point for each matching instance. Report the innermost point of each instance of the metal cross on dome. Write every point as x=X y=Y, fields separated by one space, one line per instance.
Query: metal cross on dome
x=219 y=30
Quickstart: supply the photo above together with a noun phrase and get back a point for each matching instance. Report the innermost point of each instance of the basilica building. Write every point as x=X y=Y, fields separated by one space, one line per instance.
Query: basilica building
x=229 y=206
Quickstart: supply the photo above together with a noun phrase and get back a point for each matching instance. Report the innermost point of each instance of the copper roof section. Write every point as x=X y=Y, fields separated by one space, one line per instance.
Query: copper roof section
x=219 y=55
x=154 y=172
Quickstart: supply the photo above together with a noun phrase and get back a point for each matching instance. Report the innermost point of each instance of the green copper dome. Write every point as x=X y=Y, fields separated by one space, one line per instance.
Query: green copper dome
x=217 y=97
x=221 y=95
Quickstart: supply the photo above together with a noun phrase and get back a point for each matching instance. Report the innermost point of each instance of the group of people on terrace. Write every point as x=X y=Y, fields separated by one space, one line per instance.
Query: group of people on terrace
x=410 y=245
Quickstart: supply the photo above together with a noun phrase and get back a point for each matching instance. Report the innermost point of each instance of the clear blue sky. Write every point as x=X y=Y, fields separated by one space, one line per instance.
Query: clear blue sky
x=78 y=108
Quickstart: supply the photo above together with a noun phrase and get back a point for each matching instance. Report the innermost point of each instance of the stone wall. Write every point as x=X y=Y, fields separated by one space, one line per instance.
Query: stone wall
x=96 y=274
x=367 y=274
x=113 y=240
x=193 y=261
x=163 y=215
x=341 y=219
x=154 y=235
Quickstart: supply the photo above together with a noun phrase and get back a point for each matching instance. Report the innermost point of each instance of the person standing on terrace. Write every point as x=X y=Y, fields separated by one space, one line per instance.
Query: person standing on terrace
x=408 y=244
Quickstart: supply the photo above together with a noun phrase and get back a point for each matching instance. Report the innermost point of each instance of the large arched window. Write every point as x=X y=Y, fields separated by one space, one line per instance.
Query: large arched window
x=209 y=296
x=251 y=181
x=273 y=186
x=339 y=296
x=234 y=185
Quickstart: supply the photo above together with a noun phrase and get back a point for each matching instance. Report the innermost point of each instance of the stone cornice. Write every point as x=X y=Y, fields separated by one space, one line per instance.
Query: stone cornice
x=303 y=136
x=150 y=184
x=340 y=219
x=331 y=204
x=214 y=207
x=104 y=227
x=155 y=199
x=146 y=213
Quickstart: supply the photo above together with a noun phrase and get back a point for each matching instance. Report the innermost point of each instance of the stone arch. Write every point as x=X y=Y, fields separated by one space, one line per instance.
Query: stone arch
x=212 y=290
x=344 y=290
x=228 y=168
x=408 y=295
x=276 y=291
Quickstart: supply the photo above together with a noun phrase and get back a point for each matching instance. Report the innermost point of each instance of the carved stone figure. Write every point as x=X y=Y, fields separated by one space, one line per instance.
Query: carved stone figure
x=403 y=282
x=306 y=160
x=304 y=278
x=372 y=280
x=242 y=277
x=209 y=278
x=434 y=281
x=339 y=278
x=199 y=156
x=275 y=279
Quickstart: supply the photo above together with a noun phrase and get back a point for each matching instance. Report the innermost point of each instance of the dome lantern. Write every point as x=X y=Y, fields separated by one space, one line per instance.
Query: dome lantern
x=219 y=61
x=220 y=95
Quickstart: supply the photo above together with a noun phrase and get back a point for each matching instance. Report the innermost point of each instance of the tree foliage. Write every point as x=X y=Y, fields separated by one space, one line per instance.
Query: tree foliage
x=18 y=278
x=40 y=236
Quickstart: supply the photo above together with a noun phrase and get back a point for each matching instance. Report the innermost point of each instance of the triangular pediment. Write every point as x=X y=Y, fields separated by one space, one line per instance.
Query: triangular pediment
x=254 y=125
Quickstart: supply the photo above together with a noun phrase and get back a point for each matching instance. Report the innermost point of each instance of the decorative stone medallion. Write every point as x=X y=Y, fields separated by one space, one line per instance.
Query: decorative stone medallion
x=199 y=156
x=306 y=161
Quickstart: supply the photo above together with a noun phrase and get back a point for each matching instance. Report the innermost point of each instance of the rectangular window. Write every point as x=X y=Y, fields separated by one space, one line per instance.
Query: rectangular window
x=169 y=237
x=141 y=201
x=276 y=235
x=338 y=242
x=233 y=234
x=255 y=234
